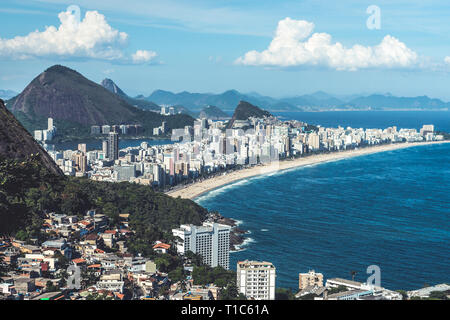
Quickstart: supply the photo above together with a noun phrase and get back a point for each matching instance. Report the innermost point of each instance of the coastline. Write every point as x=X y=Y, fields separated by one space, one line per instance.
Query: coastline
x=199 y=188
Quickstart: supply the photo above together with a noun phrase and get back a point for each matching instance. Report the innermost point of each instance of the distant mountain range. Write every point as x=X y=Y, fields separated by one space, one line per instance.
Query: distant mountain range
x=226 y=101
x=139 y=103
x=213 y=113
x=7 y=94
x=210 y=112
x=318 y=101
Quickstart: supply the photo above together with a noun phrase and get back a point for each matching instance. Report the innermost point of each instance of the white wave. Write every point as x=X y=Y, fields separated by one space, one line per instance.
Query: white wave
x=220 y=190
x=243 y=245
x=264 y=230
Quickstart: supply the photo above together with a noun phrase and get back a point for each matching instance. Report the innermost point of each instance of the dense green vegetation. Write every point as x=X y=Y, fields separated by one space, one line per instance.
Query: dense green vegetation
x=27 y=190
x=224 y=279
x=337 y=290
x=284 y=294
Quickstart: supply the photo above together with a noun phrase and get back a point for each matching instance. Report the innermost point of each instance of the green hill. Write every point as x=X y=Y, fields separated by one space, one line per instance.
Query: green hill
x=245 y=110
x=76 y=103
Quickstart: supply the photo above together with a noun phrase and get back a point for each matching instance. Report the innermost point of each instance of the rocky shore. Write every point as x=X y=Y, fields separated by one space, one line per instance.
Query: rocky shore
x=237 y=235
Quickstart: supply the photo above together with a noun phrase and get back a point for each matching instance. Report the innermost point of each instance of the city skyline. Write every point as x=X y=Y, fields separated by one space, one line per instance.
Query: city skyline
x=141 y=44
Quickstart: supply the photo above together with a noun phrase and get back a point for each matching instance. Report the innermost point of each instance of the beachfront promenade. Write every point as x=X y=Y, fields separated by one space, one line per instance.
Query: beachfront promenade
x=196 y=189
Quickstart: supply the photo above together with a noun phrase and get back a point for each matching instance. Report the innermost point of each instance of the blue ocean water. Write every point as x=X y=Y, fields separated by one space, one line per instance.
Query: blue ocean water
x=391 y=209
x=373 y=119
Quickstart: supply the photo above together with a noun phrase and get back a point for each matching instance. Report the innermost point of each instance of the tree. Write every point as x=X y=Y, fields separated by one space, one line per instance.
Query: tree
x=231 y=292
x=284 y=294
x=403 y=293
x=50 y=287
x=439 y=295
x=340 y=288
x=177 y=274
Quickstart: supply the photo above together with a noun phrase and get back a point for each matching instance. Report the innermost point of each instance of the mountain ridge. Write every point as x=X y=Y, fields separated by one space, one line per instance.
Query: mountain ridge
x=245 y=110
x=17 y=143
x=76 y=103
x=317 y=101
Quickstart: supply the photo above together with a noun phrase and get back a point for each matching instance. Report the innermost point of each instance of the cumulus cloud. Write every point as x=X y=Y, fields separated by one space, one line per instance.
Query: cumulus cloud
x=143 y=56
x=295 y=44
x=447 y=60
x=91 y=38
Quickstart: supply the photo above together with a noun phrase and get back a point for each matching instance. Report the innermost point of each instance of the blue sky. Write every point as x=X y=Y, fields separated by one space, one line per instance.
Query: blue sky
x=213 y=46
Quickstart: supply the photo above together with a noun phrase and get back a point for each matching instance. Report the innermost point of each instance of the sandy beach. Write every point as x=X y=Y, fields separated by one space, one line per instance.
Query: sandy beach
x=196 y=189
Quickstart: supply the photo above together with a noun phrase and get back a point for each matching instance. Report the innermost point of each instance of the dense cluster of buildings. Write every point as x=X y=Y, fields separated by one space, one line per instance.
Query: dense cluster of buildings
x=46 y=135
x=98 y=255
x=85 y=259
x=206 y=148
x=209 y=147
x=126 y=129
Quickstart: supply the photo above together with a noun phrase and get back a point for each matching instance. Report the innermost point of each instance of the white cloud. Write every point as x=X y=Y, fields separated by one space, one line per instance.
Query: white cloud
x=91 y=38
x=294 y=44
x=143 y=56
x=447 y=60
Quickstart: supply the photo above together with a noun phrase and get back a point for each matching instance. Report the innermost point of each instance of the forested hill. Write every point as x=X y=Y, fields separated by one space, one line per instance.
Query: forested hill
x=31 y=184
x=76 y=103
x=28 y=190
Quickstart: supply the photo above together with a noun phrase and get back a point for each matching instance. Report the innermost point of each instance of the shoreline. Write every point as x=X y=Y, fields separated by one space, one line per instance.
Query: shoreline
x=199 y=188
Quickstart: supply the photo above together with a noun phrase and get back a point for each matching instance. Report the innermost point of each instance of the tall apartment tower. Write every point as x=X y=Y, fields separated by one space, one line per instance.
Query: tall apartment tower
x=82 y=147
x=50 y=124
x=211 y=241
x=310 y=279
x=80 y=162
x=105 y=148
x=113 y=146
x=256 y=279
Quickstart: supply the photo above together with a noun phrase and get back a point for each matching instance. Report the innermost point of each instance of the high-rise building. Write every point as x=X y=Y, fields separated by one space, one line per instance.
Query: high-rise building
x=96 y=130
x=82 y=147
x=211 y=241
x=310 y=279
x=50 y=124
x=106 y=129
x=426 y=128
x=125 y=172
x=105 y=148
x=80 y=161
x=113 y=146
x=256 y=279
x=314 y=141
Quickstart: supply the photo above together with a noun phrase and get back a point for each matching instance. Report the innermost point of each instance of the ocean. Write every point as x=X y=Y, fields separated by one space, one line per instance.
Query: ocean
x=390 y=209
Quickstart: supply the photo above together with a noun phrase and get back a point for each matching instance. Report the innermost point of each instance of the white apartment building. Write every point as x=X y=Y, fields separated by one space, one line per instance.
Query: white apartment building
x=256 y=280
x=310 y=279
x=211 y=241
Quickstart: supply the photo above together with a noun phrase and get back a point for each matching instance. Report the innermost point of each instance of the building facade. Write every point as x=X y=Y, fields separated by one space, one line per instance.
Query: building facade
x=211 y=241
x=113 y=146
x=256 y=279
x=310 y=279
